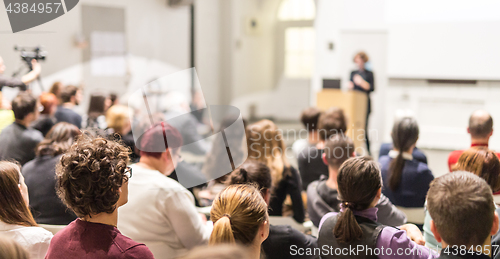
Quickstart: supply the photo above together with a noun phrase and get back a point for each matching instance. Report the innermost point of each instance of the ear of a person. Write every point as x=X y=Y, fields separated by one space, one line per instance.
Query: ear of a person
x=379 y=193
x=468 y=130
x=434 y=231
x=264 y=230
x=324 y=159
x=494 y=227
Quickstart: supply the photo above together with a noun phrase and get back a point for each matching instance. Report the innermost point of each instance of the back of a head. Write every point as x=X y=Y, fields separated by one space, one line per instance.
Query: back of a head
x=331 y=122
x=157 y=139
x=47 y=100
x=480 y=124
x=117 y=117
x=90 y=174
x=359 y=181
x=97 y=105
x=10 y=249
x=60 y=137
x=338 y=148
x=24 y=104
x=237 y=212
x=219 y=252
x=462 y=208
x=266 y=144
x=309 y=118
x=68 y=92
x=251 y=172
x=482 y=162
x=13 y=208
x=404 y=135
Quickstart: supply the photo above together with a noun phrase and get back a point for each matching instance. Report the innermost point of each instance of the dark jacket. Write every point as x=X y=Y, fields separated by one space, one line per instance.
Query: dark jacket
x=19 y=143
x=311 y=165
x=291 y=185
x=283 y=238
x=417 y=153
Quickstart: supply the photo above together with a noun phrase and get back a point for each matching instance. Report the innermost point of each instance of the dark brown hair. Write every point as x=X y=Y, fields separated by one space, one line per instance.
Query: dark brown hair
x=96 y=105
x=10 y=249
x=480 y=125
x=482 y=162
x=338 y=148
x=23 y=104
x=331 y=122
x=68 y=92
x=359 y=181
x=154 y=140
x=90 y=174
x=404 y=134
x=60 y=137
x=237 y=212
x=13 y=208
x=252 y=172
x=462 y=208
x=309 y=118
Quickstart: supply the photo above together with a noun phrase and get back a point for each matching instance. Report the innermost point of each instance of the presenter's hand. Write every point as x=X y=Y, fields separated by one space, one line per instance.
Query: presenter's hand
x=413 y=233
x=358 y=80
x=350 y=85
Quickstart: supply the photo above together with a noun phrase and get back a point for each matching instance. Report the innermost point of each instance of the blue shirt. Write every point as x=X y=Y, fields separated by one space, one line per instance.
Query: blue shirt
x=415 y=180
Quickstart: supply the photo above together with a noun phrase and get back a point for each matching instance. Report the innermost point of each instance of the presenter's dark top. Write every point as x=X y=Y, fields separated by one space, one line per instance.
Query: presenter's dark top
x=368 y=77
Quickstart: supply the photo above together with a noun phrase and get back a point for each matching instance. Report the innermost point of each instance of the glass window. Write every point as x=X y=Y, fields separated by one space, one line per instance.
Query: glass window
x=299 y=52
x=294 y=10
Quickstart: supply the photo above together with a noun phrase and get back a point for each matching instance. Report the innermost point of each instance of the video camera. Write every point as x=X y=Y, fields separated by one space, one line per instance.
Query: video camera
x=36 y=53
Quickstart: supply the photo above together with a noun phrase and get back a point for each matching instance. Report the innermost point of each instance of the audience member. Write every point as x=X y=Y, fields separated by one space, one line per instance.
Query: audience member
x=16 y=221
x=266 y=144
x=309 y=119
x=95 y=118
x=40 y=176
x=406 y=180
x=114 y=99
x=219 y=252
x=22 y=82
x=360 y=188
x=463 y=215
x=56 y=90
x=281 y=237
x=479 y=161
x=118 y=122
x=10 y=249
x=417 y=153
x=92 y=180
x=18 y=140
x=46 y=120
x=6 y=114
x=310 y=162
x=160 y=211
x=322 y=195
x=240 y=216
x=70 y=97
x=480 y=130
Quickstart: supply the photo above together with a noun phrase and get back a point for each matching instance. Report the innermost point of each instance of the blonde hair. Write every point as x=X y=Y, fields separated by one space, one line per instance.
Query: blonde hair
x=362 y=55
x=117 y=117
x=266 y=144
x=237 y=212
x=12 y=250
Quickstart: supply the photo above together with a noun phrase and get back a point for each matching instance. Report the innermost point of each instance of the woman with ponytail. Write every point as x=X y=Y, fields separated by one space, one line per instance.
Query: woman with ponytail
x=266 y=144
x=240 y=217
x=406 y=179
x=360 y=187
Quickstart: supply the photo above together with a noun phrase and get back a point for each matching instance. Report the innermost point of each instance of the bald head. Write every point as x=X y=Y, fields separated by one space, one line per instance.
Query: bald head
x=480 y=124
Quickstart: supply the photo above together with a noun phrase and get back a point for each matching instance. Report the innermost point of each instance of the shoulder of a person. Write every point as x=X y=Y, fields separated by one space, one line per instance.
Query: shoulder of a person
x=455 y=153
x=126 y=244
x=384 y=160
x=421 y=166
x=37 y=234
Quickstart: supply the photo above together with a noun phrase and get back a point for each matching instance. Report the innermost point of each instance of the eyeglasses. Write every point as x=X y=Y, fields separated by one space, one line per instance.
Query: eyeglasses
x=128 y=172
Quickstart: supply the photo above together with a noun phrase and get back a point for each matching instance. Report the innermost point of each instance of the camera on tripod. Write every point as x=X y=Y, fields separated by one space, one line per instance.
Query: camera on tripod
x=28 y=54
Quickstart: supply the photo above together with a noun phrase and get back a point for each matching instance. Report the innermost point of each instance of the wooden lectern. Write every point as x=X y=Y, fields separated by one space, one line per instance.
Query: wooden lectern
x=354 y=105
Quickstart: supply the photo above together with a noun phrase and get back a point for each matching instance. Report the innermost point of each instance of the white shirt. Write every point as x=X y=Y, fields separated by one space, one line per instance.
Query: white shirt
x=36 y=240
x=161 y=214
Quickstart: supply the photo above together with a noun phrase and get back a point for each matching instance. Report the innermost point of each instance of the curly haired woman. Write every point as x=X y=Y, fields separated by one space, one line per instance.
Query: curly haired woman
x=92 y=180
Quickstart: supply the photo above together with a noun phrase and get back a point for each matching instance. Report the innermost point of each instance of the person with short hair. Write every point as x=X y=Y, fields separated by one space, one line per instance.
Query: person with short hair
x=281 y=237
x=40 y=176
x=70 y=97
x=266 y=144
x=240 y=216
x=16 y=220
x=161 y=212
x=119 y=126
x=480 y=129
x=323 y=197
x=463 y=215
x=360 y=187
x=309 y=119
x=19 y=140
x=406 y=180
x=92 y=180
x=311 y=166
x=46 y=120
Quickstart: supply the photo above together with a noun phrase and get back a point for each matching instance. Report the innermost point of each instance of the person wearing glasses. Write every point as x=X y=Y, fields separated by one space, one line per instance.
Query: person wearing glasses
x=161 y=212
x=92 y=180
